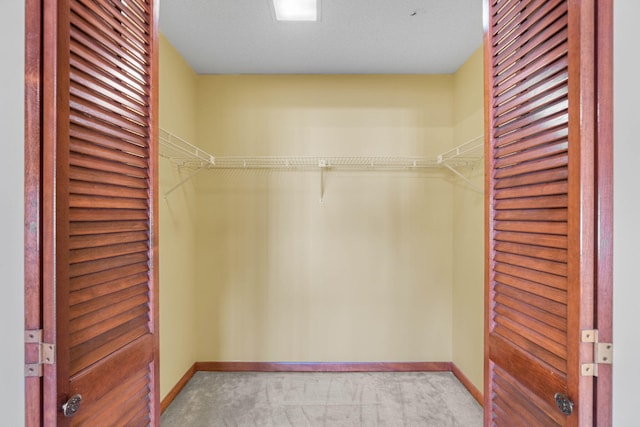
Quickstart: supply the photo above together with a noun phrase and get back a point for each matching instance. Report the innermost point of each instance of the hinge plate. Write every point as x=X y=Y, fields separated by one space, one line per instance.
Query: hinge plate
x=590 y=335
x=589 y=370
x=602 y=353
x=46 y=353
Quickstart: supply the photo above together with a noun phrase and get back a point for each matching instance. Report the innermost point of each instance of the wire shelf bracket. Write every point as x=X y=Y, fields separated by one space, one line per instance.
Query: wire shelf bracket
x=463 y=156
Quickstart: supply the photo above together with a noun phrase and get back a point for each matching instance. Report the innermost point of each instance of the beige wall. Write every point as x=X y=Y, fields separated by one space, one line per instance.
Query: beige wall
x=468 y=227
x=364 y=276
x=177 y=226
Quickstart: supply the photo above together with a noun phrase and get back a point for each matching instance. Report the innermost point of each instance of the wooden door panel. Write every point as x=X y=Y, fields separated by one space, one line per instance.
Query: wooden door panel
x=548 y=203
x=103 y=169
x=528 y=234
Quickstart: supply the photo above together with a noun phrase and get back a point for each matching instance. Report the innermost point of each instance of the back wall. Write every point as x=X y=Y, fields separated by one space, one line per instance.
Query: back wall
x=366 y=275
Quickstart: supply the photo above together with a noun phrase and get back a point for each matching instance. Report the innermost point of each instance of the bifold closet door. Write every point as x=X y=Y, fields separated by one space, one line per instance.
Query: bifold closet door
x=541 y=164
x=99 y=212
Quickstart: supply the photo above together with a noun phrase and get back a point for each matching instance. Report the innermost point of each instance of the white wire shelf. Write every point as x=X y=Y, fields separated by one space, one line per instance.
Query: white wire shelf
x=187 y=155
x=183 y=153
x=315 y=162
x=466 y=153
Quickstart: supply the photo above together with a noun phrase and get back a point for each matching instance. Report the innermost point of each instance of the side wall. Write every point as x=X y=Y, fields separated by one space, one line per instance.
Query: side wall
x=11 y=213
x=468 y=227
x=177 y=225
x=363 y=276
x=626 y=287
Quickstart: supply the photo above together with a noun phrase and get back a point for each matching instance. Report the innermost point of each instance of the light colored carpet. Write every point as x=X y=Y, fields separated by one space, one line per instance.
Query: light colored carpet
x=390 y=399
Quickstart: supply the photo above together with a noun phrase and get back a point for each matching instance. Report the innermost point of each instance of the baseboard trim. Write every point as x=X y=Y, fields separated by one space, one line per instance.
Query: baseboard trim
x=323 y=367
x=177 y=388
x=477 y=395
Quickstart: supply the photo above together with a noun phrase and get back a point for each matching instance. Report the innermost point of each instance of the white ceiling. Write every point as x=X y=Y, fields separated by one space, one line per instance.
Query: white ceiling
x=352 y=37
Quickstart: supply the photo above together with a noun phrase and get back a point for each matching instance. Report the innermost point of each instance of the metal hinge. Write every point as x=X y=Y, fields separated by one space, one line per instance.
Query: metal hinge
x=602 y=353
x=46 y=353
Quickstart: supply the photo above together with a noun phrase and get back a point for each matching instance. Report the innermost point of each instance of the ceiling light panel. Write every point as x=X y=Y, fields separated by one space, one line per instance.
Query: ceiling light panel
x=296 y=10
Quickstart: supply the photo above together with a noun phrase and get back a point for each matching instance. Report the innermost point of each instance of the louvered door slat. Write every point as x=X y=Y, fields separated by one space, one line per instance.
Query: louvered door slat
x=82 y=228
x=542 y=176
x=125 y=73
x=532 y=251
x=546 y=188
x=531 y=343
x=541 y=277
x=86 y=354
x=90 y=175
x=92 y=325
x=111 y=251
x=523 y=162
x=537 y=322
x=542 y=240
x=534 y=302
x=554 y=294
x=86 y=155
x=106 y=229
x=505 y=14
x=538 y=312
x=89 y=97
x=106 y=129
x=95 y=272
x=122 y=47
x=126 y=32
x=533 y=202
x=523 y=260
x=554 y=83
x=108 y=215
x=81 y=308
x=533 y=117
x=108 y=22
x=87 y=294
x=92 y=188
x=535 y=77
x=83 y=134
x=533 y=227
x=527 y=51
x=108 y=73
x=85 y=201
x=550 y=50
x=534 y=102
x=537 y=30
x=126 y=17
x=89 y=241
x=531 y=75
x=96 y=79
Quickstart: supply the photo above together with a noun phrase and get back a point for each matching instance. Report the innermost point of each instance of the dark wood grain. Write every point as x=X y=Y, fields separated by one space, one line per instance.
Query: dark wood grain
x=32 y=207
x=604 y=213
x=99 y=169
x=548 y=199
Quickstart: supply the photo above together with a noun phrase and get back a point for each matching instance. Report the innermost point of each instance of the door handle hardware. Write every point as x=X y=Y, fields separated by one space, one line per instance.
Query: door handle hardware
x=71 y=406
x=563 y=403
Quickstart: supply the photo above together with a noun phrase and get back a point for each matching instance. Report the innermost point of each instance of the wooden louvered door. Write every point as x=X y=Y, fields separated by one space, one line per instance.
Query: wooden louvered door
x=542 y=94
x=99 y=207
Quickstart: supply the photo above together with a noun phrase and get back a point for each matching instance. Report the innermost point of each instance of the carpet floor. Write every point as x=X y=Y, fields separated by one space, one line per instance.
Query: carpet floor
x=327 y=399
